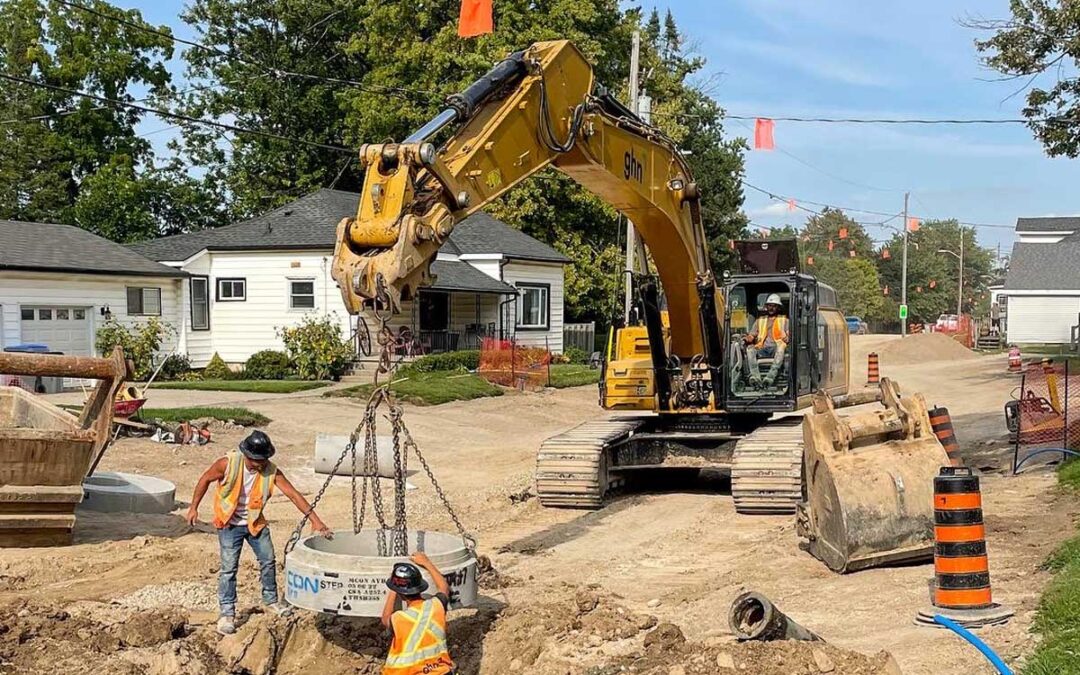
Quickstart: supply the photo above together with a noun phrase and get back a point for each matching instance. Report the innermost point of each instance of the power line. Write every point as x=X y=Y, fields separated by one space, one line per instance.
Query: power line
x=233 y=57
x=890 y=216
x=176 y=116
x=884 y=120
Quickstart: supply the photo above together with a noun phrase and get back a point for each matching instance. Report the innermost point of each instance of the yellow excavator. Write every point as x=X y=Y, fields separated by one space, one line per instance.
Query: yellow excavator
x=681 y=376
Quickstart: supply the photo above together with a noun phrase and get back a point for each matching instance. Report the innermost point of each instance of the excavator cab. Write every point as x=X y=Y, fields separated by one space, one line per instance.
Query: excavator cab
x=759 y=364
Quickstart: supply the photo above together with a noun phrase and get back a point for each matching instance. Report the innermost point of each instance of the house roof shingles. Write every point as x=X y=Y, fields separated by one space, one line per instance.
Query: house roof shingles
x=311 y=223
x=1057 y=224
x=454 y=275
x=1044 y=267
x=47 y=247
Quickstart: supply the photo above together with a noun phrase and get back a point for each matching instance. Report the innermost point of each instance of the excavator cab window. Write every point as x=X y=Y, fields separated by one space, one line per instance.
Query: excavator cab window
x=760 y=356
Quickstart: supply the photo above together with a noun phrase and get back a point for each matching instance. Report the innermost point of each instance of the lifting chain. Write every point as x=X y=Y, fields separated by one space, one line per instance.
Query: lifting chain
x=403 y=444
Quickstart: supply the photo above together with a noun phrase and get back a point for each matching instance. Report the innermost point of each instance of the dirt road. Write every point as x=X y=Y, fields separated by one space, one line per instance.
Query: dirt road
x=658 y=556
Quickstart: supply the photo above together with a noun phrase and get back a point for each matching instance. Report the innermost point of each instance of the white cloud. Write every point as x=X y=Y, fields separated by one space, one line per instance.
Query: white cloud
x=771 y=210
x=808 y=60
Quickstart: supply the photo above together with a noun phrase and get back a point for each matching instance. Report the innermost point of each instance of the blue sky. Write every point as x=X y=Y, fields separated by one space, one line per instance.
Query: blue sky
x=851 y=58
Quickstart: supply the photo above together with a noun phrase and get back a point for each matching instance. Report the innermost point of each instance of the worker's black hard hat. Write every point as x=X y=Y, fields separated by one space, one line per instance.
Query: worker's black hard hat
x=257 y=446
x=406 y=580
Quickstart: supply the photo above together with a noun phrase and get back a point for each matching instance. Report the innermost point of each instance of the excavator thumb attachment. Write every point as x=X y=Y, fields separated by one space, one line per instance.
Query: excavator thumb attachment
x=869 y=480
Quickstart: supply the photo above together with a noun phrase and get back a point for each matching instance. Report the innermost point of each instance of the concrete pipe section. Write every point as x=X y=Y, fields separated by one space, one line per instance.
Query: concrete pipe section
x=114 y=492
x=346 y=576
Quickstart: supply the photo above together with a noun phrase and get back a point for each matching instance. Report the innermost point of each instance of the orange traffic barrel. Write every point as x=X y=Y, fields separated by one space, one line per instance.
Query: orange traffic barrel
x=941 y=423
x=873 y=374
x=961 y=568
x=1015 y=362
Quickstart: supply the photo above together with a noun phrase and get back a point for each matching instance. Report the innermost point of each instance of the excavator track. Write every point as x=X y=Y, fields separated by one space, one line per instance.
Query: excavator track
x=572 y=468
x=766 y=470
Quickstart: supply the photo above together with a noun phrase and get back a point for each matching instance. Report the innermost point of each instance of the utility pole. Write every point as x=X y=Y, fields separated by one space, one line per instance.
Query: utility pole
x=903 y=273
x=960 y=293
x=631 y=233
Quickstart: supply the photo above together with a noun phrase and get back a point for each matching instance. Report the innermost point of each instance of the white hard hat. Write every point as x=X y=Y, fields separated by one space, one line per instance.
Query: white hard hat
x=773 y=299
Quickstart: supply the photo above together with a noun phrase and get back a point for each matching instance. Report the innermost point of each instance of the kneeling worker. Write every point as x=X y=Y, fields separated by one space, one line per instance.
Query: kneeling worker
x=419 y=640
x=246 y=478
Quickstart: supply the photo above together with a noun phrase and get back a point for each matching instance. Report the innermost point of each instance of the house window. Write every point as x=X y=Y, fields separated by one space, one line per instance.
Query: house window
x=434 y=311
x=301 y=294
x=200 y=303
x=232 y=290
x=534 y=305
x=44 y=315
x=143 y=301
x=27 y=314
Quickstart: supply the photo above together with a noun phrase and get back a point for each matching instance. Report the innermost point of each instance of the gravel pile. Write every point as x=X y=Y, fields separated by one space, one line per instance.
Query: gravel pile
x=187 y=594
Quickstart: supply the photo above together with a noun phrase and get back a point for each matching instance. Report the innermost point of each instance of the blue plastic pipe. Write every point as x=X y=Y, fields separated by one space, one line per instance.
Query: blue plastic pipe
x=993 y=658
x=1041 y=451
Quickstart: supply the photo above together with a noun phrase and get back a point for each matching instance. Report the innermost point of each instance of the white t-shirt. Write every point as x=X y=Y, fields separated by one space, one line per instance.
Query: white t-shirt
x=239 y=516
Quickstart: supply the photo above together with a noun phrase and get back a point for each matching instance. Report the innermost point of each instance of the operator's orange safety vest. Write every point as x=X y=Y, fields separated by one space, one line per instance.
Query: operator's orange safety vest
x=419 y=645
x=779 y=328
x=227 y=496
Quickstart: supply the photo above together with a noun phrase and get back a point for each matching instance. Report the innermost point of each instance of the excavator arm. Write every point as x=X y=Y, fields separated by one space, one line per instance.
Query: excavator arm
x=539 y=107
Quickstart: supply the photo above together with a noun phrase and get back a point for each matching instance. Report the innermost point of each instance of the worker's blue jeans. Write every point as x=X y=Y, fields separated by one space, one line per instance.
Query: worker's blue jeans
x=775 y=351
x=231 y=539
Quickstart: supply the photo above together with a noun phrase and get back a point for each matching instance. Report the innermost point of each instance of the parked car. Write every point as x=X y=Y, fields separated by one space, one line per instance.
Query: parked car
x=947 y=322
x=856 y=326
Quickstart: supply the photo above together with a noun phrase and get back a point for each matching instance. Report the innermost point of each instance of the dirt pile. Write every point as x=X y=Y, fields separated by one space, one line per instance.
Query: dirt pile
x=922 y=348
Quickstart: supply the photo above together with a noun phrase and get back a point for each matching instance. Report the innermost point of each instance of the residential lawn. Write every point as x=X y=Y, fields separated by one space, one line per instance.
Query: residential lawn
x=573 y=375
x=242 y=416
x=432 y=388
x=255 y=386
x=1058 y=617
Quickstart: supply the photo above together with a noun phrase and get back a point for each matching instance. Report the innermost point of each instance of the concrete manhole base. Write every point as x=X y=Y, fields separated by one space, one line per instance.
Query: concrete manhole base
x=346 y=575
x=115 y=492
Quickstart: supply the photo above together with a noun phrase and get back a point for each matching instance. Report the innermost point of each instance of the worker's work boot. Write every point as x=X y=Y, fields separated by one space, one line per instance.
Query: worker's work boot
x=279 y=608
x=226 y=625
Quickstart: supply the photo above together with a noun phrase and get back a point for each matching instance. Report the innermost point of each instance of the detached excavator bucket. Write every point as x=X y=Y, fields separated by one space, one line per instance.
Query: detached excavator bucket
x=869 y=480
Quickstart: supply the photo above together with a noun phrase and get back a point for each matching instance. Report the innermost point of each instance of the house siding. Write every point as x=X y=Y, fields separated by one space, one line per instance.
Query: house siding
x=517 y=272
x=241 y=328
x=82 y=290
x=1041 y=318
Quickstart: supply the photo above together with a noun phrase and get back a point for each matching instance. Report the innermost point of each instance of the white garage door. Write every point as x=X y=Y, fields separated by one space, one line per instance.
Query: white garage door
x=63 y=329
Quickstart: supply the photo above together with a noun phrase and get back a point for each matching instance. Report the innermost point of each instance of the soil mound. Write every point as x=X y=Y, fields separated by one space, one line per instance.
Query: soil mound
x=922 y=348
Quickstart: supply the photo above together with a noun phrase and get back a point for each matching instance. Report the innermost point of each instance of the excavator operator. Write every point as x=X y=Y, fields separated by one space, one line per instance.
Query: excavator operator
x=768 y=339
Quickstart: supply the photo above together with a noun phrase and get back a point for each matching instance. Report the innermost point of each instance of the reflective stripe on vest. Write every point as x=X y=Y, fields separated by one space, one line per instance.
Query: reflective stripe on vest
x=779 y=328
x=227 y=495
x=419 y=640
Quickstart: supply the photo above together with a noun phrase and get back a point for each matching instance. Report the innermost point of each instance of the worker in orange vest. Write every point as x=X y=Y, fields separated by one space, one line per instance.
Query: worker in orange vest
x=768 y=339
x=419 y=629
x=246 y=479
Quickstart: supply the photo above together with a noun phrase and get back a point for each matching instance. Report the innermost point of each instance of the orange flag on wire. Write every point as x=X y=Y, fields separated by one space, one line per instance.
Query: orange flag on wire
x=475 y=18
x=913 y=224
x=852 y=253
x=809 y=260
x=831 y=245
x=791 y=205
x=885 y=291
x=843 y=233
x=763 y=134
x=885 y=255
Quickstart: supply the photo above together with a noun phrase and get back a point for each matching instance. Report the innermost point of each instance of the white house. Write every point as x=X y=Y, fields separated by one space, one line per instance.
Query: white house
x=59 y=283
x=1042 y=290
x=247 y=280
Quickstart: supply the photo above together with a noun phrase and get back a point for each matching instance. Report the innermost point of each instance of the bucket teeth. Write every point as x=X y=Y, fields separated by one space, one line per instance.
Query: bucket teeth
x=766 y=469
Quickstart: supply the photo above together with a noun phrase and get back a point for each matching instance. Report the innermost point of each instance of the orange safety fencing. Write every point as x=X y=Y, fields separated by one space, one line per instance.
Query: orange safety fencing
x=1042 y=414
x=963 y=332
x=508 y=364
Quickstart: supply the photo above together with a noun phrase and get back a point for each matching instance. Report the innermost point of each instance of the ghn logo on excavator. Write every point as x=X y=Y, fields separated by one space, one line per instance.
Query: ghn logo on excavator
x=632 y=168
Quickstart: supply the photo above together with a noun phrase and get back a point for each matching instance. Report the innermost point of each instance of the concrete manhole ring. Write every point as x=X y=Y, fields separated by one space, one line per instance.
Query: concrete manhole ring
x=116 y=492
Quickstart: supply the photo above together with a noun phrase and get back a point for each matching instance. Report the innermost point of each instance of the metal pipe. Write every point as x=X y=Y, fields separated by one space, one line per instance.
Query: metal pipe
x=753 y=617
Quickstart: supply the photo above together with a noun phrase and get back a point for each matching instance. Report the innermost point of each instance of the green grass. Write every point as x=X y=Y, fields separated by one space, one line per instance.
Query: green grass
x=243 y=416
x=432 y=388
x=1058 y=617
x=573 y=375
x=256 y=386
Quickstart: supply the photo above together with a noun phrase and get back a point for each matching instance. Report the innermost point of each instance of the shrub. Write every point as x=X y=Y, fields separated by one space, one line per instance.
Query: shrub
x=316 y=347
x=575 y=355
x=468 y=359
x=268 y=364
x=176 y=367
x=139 y=342
x=217 y=369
